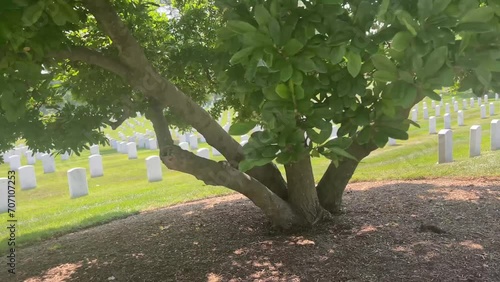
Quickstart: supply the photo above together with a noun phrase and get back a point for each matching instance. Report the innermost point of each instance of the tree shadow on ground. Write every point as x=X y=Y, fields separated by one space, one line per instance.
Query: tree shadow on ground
x=383 y=236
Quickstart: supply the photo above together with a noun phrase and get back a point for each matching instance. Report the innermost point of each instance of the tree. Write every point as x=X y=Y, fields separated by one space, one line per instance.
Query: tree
x=292 y=67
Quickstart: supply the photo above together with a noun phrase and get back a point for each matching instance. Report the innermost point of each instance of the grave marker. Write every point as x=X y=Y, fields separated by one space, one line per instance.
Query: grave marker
x=77 y=181
x=438 y=111
x=95 y=166
x=153 y=145
x=495 y=134
x=426 y=113
x=445 y=146
x=391 y=142
x=27 y=177
x=184 y=146
x=475 y=141
x=15 y=162
x=4 y=195
x=460 y=118
x=492 y=109
x=94 y=150
x=153 y=166
x=131 y=150
x=193 y=141
x=432 y=125
x=464 y=104
x=30 y=157
x=483 y=111
x=49 y=164
x=447 y=121
x=204 y=153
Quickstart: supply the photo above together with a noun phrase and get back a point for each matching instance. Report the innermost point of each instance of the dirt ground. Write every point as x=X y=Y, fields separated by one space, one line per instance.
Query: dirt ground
x=432 y=230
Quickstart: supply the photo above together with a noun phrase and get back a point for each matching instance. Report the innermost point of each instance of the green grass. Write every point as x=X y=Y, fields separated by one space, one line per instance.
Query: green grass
x=47 y=211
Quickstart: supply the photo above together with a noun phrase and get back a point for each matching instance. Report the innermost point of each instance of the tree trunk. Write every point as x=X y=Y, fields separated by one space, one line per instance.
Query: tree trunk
x=210 y=172
x=301 y=191
x=333 y=183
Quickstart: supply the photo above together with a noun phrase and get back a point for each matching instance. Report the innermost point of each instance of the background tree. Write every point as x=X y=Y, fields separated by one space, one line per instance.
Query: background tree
x=293 y=67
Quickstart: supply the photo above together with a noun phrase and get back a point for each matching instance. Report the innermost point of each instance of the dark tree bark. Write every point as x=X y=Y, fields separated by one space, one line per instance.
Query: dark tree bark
x=333 y=183
x=301 y=191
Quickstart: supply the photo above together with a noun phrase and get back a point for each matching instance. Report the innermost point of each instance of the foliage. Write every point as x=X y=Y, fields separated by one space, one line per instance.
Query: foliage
x=298 y=66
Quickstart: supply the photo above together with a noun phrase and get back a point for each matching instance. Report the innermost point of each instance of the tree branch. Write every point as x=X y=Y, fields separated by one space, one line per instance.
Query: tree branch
x=131 y=52
x=92 y=57
x=219 y=173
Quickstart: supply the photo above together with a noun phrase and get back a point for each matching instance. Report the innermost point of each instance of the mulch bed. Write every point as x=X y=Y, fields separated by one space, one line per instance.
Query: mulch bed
x=430 y=230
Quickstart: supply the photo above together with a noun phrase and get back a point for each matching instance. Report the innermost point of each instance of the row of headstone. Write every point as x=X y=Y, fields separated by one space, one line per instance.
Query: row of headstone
x=77 y=177
x=445 y=141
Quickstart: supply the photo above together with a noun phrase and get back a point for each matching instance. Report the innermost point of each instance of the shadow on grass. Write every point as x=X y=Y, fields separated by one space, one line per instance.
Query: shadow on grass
x=379 y=238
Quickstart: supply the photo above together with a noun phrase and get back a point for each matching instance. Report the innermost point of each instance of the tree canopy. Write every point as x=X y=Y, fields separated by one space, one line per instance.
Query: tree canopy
x=68 y=68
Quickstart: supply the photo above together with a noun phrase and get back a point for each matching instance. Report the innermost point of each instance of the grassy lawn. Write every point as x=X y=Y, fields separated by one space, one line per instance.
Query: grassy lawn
x=124 y=190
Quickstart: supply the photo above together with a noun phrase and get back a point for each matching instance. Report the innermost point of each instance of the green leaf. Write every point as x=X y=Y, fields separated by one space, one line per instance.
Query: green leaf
x=364 y=135
x=433 y=95
x=483 y=75
x=481 y=15
x=353 y=63
x=32 y=13
x=286 y=72
x=401 y=40
x=292 y=47
x=337 y=54
x=439 y=6
x=240 y=27
x=408 y=97
x=320 y=137
x=304 y=64
x=248 y=164
x=424 y=8
x=282 y=91
x=435 y=60
x=241 y=128
x=394 y=132
x=407 y=20
x=262 y=16
x=384 y=6
x=331 y=2
x=382 y=63
x=340 y=142
x=343 y=153
x=385 y=76
x=241 y=55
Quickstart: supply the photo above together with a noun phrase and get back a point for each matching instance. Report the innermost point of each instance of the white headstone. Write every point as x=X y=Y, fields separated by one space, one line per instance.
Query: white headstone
x=460 y=118
x=153 y=145
x=131 y=150
x=27 y=177
x=49 y=164
x=215 y=152
x=486 y=98
x=464 y=104
x=496 y=96
x=479 y=102
x=243 y=143
x=426 y=113
x=244 y=138
x=182 y=138
x=453 y=100
x=184 y=146
x=424 y=104
x=471 y=102
x=483 y=111
x=77 y=181
x=202 y=139
x=432 y=125
x=193 y=141
x=438 y=110
x=94 y=150
x=414 y=115
x=95 y=166
x=391 y=142
x=122 y=147
x=492 y=109
x=65 y=156
x=447 y=108
x=153 y=166
x=226 y=127
x=447 y=121
x=4 y=195
x=30 y=157
x=455 y=106
x=445 y=146
x=433 y=104
x=495 y=134
x=15 y=162
x=204 y=153
x=475 y=141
